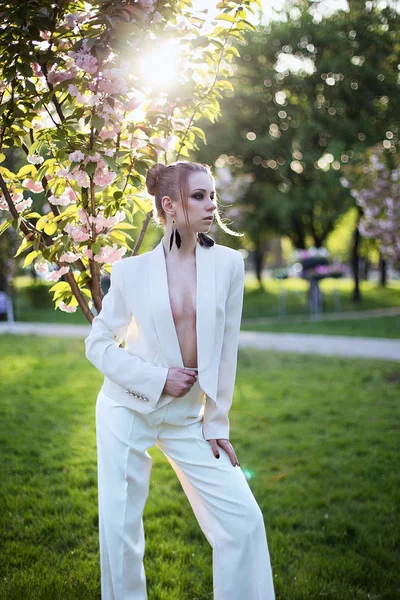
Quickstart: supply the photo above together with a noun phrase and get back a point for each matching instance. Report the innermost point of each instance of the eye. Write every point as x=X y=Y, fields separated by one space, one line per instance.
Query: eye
x=200 y=196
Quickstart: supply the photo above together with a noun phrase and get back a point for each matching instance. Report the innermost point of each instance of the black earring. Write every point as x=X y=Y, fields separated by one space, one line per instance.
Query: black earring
x=175 y=233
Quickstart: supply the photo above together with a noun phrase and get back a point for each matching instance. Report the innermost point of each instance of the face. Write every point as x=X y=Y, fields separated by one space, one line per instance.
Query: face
x=201 y=203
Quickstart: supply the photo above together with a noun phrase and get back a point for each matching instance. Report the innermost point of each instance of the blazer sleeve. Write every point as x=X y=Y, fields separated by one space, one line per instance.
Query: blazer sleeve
x=215 y=418
x=109 y=328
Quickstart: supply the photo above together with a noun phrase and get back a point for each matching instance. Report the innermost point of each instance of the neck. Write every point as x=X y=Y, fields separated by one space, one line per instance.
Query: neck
x=188 y=243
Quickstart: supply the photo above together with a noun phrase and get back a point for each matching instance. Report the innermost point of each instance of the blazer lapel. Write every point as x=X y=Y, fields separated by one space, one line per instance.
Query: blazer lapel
x=205 y=306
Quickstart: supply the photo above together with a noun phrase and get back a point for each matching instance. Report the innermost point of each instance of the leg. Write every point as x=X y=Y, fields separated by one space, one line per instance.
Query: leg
x=124 y=468
x=226 y=511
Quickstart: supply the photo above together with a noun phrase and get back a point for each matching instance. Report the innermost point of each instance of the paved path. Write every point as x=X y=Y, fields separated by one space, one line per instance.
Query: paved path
x=330 y=345
x=338 y=316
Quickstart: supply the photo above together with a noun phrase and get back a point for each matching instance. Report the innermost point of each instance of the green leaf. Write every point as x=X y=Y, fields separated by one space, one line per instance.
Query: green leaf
x=24 y=246
x=29 y=258
x=32 y=214
x=90 y=168
x=26 y=170
x=225 y=17
x=5 y=225
x=141 y=167
x=124 y=226
x=110 y=162
x=98 y=123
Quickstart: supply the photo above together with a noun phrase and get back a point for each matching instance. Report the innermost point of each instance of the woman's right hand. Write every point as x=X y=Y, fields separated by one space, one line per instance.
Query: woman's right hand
x=179 y=381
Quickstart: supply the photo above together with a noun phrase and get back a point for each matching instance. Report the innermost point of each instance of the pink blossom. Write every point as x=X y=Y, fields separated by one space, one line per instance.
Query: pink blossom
x=17 y=197
x=24 y=205
x=132 y=104
x=19 y=203
x=84 y=218
x=67 y=308
x=166 y=144
x=157 y=17
x=42 y=267
x=87 y=252
x=78 y=234
x=73 y=90
x=110 y=254
x=37 y=71
x=34 y=159
x=66 y=198
x=88 y=99
x=109 y=134
x=55 y=275
x=33 y=186
x=55 y=77
x=62 y=172
x=81 y=178
x=103 y=177
x=76 y=156
x=96 y=157
x=102 y=222
x=147 y=5
x=85 y=61
x=70 y=257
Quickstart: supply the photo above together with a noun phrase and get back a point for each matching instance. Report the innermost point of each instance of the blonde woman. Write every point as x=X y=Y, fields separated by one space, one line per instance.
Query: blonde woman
x=178 y=308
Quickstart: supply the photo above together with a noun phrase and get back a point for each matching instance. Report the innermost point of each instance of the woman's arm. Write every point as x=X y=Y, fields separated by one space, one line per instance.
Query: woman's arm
x=109 y=327
x=215 y=419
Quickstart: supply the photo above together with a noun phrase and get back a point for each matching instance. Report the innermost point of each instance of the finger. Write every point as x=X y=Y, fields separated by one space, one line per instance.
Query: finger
x=214 y=447
x=227 y=446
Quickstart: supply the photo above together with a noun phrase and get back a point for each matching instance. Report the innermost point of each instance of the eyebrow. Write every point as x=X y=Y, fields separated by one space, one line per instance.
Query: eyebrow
x=201 y=190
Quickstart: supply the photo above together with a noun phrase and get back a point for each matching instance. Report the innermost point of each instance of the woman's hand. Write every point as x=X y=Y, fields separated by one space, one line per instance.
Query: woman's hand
x=227 y=446
x=179 y=381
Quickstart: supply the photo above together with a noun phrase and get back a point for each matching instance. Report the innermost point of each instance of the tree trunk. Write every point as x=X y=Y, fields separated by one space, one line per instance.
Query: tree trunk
x=367 y=266
x=355 y=264
x=259 y=264
x=383 y=270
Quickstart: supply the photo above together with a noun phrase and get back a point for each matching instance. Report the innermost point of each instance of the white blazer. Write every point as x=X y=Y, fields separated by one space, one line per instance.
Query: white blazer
x=137 y=308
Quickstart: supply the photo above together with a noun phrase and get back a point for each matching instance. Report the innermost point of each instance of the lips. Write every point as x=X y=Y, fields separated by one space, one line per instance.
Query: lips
x=209 y=219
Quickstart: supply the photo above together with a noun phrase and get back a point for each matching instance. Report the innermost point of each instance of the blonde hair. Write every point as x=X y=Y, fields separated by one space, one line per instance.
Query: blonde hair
x=172 y=181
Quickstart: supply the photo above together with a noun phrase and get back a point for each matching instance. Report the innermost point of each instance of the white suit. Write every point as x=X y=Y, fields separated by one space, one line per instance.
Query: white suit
x=132 y=415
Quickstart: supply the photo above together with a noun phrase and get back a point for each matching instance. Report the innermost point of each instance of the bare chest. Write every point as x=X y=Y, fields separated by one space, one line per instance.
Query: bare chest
x=182 y=292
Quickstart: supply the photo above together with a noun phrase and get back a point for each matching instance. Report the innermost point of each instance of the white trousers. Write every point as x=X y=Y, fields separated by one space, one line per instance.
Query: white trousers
x=218 y=492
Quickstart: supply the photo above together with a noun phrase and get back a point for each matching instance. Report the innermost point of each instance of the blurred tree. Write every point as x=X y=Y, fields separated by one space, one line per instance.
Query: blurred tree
x=310 y=94
x=92 y=94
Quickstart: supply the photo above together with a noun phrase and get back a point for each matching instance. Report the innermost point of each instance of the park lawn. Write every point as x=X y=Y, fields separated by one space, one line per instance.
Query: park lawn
x=257 y=303
x=265 y=302
x=375 y=327
x=317 y=438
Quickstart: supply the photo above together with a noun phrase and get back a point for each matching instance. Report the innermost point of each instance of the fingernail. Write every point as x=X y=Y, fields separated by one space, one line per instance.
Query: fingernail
x=217 y=456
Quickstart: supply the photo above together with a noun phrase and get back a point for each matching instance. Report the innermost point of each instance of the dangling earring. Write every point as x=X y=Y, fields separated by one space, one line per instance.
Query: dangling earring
x=175 y=233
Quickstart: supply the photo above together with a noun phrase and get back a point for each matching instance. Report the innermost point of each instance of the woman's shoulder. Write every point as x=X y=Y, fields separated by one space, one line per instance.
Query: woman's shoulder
x=130 y=262
x=228 y=252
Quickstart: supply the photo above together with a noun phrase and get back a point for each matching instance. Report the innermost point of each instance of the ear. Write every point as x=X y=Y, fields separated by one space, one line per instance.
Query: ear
x=167 y=205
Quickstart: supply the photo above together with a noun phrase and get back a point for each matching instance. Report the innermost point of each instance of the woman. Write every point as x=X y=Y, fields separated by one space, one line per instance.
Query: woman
x=178 y=308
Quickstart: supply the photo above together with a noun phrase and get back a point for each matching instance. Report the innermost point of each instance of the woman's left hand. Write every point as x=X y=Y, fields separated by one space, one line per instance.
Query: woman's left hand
x=227 y=446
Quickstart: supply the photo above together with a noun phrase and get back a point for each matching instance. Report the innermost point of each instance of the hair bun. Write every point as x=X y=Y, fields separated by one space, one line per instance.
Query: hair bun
x=153 y=176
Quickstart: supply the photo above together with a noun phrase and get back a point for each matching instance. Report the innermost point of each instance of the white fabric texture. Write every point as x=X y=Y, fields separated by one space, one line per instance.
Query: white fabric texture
x=218 y=492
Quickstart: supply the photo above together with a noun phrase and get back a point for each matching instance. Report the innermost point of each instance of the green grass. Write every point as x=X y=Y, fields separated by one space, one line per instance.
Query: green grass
x=264 y=302
x=317 y=437
x=257 y=303
x=376 y=327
